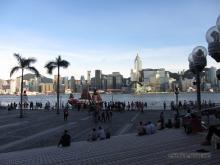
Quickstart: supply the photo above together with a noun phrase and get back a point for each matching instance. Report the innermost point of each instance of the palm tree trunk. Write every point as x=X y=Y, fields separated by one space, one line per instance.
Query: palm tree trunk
x=21 y=94
x=58 y=91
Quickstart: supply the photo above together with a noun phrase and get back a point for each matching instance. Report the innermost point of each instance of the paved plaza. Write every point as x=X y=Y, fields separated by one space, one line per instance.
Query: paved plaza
x=42 y=128
x=170 y=146
x=33 y=140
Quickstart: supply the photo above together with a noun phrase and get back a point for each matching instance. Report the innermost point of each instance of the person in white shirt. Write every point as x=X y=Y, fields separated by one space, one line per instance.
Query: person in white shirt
x=150 y=128
x=153 y=128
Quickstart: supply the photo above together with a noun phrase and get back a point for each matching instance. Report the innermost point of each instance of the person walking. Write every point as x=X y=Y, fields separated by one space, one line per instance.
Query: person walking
x=65 y=114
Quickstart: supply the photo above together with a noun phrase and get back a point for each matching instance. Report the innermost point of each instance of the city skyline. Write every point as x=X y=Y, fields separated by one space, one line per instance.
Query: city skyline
x=104 y=35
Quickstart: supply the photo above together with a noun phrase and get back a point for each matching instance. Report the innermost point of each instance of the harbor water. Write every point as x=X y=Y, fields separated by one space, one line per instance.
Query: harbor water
x=154 y=100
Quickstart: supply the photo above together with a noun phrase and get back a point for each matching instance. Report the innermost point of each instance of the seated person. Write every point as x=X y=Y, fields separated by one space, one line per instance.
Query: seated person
x=101 y=133
x=159 y=125
x=141 y=130
x=93 y=135
x=65 y=140
x=108 y=134
x=212 y=130
x=150 y=128
x=153 y=128
x=169 y=124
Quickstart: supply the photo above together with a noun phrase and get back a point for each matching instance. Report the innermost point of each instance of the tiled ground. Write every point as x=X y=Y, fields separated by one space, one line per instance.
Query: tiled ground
x=170 y=146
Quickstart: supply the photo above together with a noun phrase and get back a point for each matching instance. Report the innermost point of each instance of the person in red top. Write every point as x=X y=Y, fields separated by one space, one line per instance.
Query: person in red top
x=96 y=98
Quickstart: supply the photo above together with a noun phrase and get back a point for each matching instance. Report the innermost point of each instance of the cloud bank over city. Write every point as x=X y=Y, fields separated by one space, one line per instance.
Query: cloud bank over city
x=104 y=35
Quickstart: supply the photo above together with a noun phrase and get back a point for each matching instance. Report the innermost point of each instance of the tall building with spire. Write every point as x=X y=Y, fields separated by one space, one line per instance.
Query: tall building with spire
x=135 y=73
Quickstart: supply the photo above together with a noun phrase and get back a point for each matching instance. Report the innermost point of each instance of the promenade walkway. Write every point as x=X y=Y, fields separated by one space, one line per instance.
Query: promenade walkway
x=43 y=128
x=170 y=146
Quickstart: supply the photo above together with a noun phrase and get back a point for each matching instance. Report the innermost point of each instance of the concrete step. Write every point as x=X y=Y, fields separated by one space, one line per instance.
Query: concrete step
x=123 y=149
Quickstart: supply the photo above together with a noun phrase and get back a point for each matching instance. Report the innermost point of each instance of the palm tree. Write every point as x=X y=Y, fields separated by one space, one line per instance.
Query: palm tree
x=50 y=67
x=23 y=63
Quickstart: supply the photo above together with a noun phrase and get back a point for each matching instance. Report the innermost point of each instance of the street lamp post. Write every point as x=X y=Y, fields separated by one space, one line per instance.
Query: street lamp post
x=213 y=39
x=197 y=62
x=177 y=93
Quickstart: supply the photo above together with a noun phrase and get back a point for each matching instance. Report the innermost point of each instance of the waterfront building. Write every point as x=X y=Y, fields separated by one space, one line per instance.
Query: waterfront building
x=135 y=72
x=6 y=87
x=72 y=84
x=98 y=76
x=1 y=83
x=78 y=86
x=187 y=84
x=18 y=84
x=210 y=76
x=110 y=80
x=104 y=82
x=64 y=82
x=12 y=86
x=46 y=88
x=82 y=80
x=155 y=79
x=36 y=84
x=117 y=80
x=89 y=77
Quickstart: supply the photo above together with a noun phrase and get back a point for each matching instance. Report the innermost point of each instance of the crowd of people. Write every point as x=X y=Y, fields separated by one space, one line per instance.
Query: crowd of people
x=99 y=134
x=146 y=128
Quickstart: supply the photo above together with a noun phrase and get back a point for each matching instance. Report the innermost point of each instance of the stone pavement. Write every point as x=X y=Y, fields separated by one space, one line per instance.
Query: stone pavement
x=169 y=146
x=42 y=128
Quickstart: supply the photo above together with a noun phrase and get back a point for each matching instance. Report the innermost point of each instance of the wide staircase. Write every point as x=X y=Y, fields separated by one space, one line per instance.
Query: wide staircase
x=169 y=146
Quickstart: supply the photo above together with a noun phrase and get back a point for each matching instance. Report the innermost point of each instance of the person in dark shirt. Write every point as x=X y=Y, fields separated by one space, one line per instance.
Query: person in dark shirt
x=65 y=139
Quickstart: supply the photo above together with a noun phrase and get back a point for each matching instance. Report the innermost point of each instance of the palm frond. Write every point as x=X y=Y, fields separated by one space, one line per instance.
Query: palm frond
x=19 y=58
x=31 y=60
x=49 y=64
x=50 y=69
x=64 y=63
x=34 y=70
x=14 y=69
x=58 y=59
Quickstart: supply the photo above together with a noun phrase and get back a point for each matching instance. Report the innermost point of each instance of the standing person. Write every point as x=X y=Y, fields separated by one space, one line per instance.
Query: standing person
x=65 y=139
x=145 y=104
x=25 y=100
x=31 y=105
x=162 y=120
x=96 y=98
x=65 y=114
x=164 y=105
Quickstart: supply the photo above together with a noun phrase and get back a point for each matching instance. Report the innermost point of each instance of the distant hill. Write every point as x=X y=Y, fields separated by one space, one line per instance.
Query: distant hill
x=174 y=75
x=186 y=74
x=43 y=78
x=46 y=80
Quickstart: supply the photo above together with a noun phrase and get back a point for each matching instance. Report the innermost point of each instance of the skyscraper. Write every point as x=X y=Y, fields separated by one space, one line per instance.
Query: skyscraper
x=135 y=73
x=98 y=76
x=89 y=77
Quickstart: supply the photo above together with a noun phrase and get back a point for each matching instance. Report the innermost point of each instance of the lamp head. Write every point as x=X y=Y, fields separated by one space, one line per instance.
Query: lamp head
x=218 y=23
x=212 y=35
x=218 y=74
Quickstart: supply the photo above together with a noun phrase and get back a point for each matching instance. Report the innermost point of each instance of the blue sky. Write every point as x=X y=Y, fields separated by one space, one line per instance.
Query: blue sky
x=104 y=34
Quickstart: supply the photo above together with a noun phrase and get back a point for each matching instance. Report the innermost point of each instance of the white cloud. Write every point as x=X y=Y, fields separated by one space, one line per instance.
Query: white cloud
x=171 y=58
